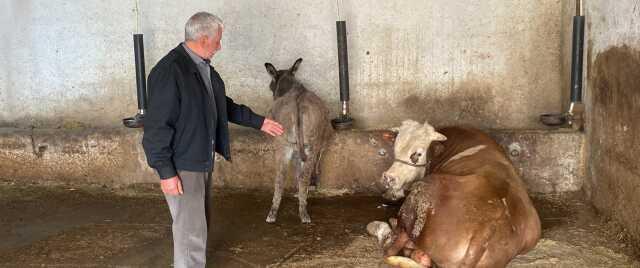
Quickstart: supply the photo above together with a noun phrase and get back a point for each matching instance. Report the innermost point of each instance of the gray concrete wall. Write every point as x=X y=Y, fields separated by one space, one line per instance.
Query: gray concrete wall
x=492 y=63
x=613 y=106
x=549 y=161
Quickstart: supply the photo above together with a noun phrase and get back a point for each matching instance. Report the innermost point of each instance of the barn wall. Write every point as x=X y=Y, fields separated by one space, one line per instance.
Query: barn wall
x=613 y=106
x=492 y=64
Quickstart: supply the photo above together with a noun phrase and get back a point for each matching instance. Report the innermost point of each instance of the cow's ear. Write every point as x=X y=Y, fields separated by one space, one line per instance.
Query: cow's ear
x=294 y=68
x=271 y=70
x=389 y=136
x=428 y=126
x=409 y=122
x=435 y=149
x=435 y=136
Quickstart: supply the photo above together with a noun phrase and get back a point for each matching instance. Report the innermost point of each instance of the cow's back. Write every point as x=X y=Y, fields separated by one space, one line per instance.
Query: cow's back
x=465 y=151
x=477 y=185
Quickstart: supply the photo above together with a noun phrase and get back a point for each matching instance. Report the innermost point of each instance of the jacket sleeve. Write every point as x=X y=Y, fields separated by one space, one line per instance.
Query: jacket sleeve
x=242 y=115
x=163 y=110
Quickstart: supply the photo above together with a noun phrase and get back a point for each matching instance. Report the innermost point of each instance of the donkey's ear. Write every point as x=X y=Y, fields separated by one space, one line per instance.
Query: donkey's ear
x=294 y=68
x=271 y=70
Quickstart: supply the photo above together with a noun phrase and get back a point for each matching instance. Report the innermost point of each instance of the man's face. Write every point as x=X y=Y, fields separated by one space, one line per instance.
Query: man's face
x=212 y=45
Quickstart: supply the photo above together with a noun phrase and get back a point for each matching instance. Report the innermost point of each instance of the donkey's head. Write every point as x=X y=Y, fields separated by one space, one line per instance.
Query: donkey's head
x=282 y=80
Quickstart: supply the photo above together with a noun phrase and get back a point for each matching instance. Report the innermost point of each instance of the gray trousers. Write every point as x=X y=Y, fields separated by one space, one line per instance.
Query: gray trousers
x=189 y=212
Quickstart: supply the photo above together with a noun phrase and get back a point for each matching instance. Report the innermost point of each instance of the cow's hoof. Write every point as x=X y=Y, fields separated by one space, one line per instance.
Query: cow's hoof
x=380 y=230
x=421 y=257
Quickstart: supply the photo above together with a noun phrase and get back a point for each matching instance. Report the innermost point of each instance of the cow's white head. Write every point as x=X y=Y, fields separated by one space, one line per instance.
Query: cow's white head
x=410 y=148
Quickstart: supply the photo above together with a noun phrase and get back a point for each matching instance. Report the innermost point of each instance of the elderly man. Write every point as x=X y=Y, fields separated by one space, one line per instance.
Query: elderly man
x=187 y=118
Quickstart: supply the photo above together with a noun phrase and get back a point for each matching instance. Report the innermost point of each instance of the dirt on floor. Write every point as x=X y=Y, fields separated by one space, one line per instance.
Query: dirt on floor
x=63 y=226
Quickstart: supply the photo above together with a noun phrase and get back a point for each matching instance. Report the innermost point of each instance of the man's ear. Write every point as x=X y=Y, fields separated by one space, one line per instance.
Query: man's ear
x=202 y=41
x=271 y=70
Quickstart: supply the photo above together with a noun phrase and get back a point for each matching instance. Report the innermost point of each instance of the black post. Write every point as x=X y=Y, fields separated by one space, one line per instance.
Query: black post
x=574 y=117
x=576 y=61
x=343 y=121
x=141 y=83
x=343 y=62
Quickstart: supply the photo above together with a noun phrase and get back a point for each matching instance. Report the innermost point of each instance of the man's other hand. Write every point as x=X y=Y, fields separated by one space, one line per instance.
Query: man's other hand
x=271 y=127
x=171 y=186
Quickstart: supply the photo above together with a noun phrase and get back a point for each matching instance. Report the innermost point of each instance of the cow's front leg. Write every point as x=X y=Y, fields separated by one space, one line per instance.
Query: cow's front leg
x=419 y=256
x=411 y=220
x=391 y=241
x=397 y=242
x=416 y=208
x=401 y=252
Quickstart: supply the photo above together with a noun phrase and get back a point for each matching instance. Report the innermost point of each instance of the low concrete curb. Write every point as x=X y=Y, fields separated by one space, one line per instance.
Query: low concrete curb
x=549 y=161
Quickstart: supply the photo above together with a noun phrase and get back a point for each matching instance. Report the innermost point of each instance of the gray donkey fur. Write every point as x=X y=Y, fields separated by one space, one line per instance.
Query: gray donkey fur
x=305 y=119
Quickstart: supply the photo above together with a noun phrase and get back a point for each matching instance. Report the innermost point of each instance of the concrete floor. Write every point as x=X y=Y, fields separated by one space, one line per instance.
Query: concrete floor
x=59 y=226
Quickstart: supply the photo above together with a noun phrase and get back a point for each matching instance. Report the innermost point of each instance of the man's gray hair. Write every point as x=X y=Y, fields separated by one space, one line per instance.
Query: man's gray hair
x=202 y=24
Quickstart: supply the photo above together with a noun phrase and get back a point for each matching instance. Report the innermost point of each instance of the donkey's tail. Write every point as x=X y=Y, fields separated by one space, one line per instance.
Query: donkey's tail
x=300 y=130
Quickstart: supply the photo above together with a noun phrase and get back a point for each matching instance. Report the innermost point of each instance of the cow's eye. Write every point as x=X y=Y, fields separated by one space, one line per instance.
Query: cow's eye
x=415 y=157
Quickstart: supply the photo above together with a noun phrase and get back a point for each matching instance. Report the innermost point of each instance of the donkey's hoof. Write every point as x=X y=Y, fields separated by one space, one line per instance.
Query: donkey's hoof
x=304 y=218
x=271 y=218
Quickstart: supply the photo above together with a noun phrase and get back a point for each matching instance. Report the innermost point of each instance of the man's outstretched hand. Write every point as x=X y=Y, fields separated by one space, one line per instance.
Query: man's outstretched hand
x=271 y=127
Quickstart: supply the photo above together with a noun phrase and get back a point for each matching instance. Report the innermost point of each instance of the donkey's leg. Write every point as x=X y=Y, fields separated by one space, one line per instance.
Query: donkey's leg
x=303 y=176
x=315 y=175
x=282 y=160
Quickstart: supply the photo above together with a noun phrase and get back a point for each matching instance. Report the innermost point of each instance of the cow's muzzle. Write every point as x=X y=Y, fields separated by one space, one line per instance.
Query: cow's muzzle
x=393 y=195
x=393 y=189
x=389 y=181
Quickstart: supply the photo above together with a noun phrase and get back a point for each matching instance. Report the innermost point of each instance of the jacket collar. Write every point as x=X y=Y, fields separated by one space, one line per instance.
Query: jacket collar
x=185 y=58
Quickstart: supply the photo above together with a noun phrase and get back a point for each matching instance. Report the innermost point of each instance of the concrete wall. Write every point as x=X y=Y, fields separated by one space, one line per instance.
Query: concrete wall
x=613 y=98
x=549 y=161
x=492 y=63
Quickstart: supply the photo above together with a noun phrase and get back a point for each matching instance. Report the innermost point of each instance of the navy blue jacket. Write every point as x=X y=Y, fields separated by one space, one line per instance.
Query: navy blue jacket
x=178 y=127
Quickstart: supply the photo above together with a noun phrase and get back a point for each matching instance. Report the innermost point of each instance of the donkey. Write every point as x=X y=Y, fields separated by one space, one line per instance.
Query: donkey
x=305 y=118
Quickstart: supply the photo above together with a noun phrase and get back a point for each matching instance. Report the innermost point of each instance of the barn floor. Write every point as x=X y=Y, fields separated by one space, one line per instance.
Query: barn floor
x=59 y=226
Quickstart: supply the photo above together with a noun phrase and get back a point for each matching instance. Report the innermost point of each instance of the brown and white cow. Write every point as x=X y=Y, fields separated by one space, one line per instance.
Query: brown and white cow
x=471 y=209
